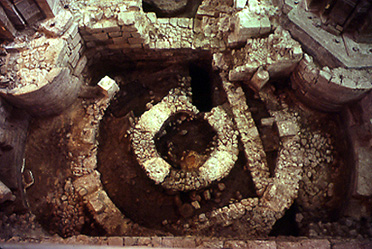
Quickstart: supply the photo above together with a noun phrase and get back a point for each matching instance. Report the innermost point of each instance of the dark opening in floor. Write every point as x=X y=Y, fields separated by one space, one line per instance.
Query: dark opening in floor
x=172 y=8
x=184 y=137
x=201 y=84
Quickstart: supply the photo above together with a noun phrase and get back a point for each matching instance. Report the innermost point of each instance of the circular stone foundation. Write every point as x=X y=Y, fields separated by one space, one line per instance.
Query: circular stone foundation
x=206 y=169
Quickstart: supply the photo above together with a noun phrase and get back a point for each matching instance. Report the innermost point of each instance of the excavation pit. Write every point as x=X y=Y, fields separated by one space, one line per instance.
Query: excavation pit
x=186 y=146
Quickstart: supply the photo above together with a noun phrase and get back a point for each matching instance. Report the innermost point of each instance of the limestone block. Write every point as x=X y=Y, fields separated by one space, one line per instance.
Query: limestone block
x=108 y=86
x=119 y=40
x=364 y=171
x=248 y=25
x=100 y=36
x=287 y=128
x=243 y=73
x=260 y=78
x=240 y=4
x=115 y=34
x=126 y=18
x=5 y=193
x=219 y=62
x=268 y=121
x=152 y=17
x=163 y=20
x=135 y=40
x=110 y=25
x=86 y=185
x=74 y=42
x=74 y=57
x=56 y=51
x=96 y=205
x=265 y=25
x=183 y=22
x=55 y=27
x=80 y=66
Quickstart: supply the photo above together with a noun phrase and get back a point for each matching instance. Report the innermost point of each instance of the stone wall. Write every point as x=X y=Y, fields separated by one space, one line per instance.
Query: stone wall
x=329 y=89
x=40 y=74
x=13 y=132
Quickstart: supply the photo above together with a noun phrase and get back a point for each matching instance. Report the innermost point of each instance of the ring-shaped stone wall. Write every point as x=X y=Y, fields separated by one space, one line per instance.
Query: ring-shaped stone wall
x=216 y=167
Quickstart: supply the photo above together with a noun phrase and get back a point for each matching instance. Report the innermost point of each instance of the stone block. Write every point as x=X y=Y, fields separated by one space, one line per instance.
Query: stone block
x=74 y=54
x=307 y=243
x=130 y=241
x=74 y=42
x=355 y=244
x=179 y=242
x=88 y=184
x=115 y=241
x=96 y=206
x=152 y=17
x=144 y=241
x=240 y=4
x=157 y=241
x=163 y=20
x=100 y=36
x=55 y=27
x=260 y=78
x=110 y=25
x=287 y=128
x=243 y=73
x=126 y=18
x=364 y=171
x=115 y=34
x=73 y=30
x=211 y=244
x=257 y=244
x=119 y=40
x=268 y=122
x=5 y=193
x=265 y=25
x=183 y=22
x=248 y=25
x=80 y=66
x=108 y=86
x=133 y=40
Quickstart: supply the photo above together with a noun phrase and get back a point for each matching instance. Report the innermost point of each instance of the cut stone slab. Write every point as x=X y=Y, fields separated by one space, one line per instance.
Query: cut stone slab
x=108 y=86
